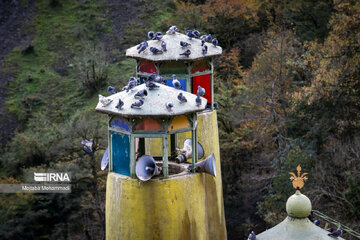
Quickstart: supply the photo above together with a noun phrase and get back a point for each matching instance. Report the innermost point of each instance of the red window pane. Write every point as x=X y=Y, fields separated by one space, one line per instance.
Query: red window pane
x=204 y=82
x=148 y=124
x=200 y=66
x=147 y=67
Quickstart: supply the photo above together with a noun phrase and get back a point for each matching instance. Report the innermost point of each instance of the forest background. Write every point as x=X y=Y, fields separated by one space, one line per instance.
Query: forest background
x=287 y=85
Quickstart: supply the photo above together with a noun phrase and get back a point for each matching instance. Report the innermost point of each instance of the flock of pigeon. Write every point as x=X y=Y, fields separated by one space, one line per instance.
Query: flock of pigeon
x=333 y=233
x=151 y=83
x=172 y=30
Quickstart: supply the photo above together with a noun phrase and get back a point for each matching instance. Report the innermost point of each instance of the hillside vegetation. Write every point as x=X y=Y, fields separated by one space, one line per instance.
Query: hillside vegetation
x=287 y=84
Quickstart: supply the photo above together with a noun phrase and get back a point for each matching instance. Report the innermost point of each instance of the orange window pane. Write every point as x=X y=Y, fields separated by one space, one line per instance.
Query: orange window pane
x=200 y=66
x=148 y=124
x=147 y=67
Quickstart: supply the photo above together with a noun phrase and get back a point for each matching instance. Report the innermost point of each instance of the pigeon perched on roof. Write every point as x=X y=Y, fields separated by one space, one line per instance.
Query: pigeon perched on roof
x=184 y=44
x=87 y=145
x=144 y=43
x=105 y=159
x=120 y=104
x=169 y=106
x=336 y=233
x=252 y=236
x=181 y=98
x=317 y=222
x=189 y=33
x=151 y=35
x=132 y=83
x=176 y=82
x=204 y=50
x=104 y=101
x=137 y=104
x=111 y=90
x=172 y=30
x=163 y=46
x=151 y=85
x=151 y=77
x=159 y=79
x=157 y=36
x=215 y=42
x=141 y=94
x=196 y=33
x=216 y=105
x=186 y=53
x=142 y=46
x=202 y=42
x=198 y=100
x=208 y=38
x=155 y=50
x=201 y=91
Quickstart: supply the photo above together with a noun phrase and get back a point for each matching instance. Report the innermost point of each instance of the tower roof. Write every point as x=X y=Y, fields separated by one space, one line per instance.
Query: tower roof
x=154 y=103
x=296 y=226
x=174 y=49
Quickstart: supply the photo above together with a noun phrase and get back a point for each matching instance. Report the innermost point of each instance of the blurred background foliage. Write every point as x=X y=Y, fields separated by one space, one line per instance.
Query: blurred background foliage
x=287 y=86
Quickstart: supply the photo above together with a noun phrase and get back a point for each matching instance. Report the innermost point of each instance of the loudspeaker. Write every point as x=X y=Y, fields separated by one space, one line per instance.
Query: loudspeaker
x=105 y=159
x=146 y=168
x=208 y=165
x=186 y=152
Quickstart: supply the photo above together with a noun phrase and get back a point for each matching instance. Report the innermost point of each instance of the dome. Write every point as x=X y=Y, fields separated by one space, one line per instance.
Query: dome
x=298 y=205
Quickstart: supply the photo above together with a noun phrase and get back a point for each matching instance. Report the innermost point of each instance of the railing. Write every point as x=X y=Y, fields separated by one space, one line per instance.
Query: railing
x=330 y=220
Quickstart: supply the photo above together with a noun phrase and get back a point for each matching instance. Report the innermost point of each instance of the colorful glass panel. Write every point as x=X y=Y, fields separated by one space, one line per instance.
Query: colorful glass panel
x=179 y=122
x=200 y=66
x=121 y=124
x=120 y=151
x=149 y=124
x=173 y=68
x=147 y=67
x=182 y=82
x=204 y=82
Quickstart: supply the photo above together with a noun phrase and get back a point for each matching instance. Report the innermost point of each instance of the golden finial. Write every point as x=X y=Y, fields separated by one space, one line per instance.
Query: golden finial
x=298 y=181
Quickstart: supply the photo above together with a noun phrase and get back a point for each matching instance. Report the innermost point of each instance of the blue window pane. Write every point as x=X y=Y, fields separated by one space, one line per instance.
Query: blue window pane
x=121 y=153
x=120 y=123
x=182 y=82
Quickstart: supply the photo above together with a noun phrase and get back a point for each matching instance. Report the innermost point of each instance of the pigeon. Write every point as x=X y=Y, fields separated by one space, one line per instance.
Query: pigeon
x=252 y=236
x=330 y=229
x=201 y=91
x=172 y=29
x=208 y=38
x=176 y=82
x=111 y=90
x=157 y=36
x=203 y=37
x=204 y=50
x=141 y=94
x=198 y=100
x=163 y=46
x=216 y=105
x=202 y=42
x=196 y=33
x=336 y=233
x=120 y=104
x=169 y=106
x=87 y=146
x=215 y=42
x=137 y=104
x=159 y=79
x=104 y=101
x=132 y=83
x=152 y=77
x=184 y=44
x=189 y=33
x=155 y=50
x=144 y=43
x=181 y=98
x=317 y=222
x=151 y=35
x=105 y=159
x=186 y=53
x=142 y=47
x=151 y=85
